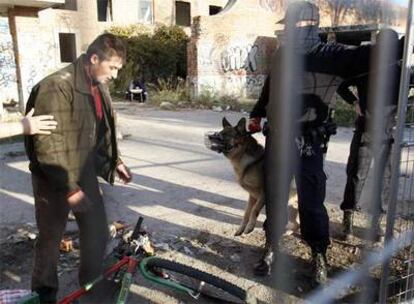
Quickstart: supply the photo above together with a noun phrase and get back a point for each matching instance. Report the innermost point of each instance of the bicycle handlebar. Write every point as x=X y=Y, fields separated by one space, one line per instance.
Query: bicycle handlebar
x=137 y=228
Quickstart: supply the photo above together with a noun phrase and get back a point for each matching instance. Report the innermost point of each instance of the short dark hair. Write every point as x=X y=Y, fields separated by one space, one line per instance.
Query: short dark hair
x=106 y=46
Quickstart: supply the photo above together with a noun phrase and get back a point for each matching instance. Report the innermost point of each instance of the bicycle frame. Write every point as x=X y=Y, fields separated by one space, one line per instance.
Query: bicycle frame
x=132 y=263
x=132 y=253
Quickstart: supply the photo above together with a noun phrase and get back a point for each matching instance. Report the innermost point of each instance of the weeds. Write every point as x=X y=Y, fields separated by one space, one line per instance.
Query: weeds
x=171 y=90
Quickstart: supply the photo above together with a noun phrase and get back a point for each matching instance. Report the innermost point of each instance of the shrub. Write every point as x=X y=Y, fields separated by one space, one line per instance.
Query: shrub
x=344 y=114
x=152 y=56
x=171 y=89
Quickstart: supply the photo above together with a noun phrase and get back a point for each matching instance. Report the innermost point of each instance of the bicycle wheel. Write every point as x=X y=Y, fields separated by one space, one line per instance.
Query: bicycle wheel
x=194 y=282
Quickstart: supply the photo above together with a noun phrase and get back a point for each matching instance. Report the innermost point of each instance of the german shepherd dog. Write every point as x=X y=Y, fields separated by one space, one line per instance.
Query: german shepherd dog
x=247 y=158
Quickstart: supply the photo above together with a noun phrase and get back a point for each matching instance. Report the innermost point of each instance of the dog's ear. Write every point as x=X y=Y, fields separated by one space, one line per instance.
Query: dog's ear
x=226 y=123
x=241 y=125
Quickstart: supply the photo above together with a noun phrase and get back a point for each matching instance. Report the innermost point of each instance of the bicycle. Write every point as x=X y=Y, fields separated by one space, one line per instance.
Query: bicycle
x=134 y=252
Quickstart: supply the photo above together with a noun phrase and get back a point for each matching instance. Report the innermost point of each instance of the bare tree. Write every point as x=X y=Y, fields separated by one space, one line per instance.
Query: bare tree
x=338 y=9
x=374 y=11
x=369 y=11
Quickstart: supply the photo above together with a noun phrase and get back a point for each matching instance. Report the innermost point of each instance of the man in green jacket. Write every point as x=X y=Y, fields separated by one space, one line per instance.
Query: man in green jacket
x=65 y=165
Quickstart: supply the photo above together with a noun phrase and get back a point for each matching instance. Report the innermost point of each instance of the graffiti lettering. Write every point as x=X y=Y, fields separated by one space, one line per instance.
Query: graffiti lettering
x=35 y=70
x=4 y=26
x=7 y=64
x=254 y=84
x=249 y=85
x=239 y=58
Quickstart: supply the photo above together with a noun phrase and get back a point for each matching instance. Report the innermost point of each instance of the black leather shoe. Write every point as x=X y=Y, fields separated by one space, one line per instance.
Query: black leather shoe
x=320 y=268
x=263 y=267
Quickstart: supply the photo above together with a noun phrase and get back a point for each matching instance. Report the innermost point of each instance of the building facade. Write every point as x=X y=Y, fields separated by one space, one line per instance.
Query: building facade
x=38 y=37
x=230 y=53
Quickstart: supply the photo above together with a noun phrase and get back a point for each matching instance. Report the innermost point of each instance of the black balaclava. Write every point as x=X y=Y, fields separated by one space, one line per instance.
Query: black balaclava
x=306 y=37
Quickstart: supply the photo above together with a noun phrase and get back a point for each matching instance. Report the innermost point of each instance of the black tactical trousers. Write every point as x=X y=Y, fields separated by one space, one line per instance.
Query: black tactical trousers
x=311 y=188
x=359 y=163
x=355 y=178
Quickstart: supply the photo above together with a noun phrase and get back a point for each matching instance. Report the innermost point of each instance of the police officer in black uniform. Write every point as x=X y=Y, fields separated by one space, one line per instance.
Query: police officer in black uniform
x=325 y=66
x=312 y=128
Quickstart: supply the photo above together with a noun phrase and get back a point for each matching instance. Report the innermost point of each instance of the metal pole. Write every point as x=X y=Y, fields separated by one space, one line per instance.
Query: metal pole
x=280 y=160
x=396 y=156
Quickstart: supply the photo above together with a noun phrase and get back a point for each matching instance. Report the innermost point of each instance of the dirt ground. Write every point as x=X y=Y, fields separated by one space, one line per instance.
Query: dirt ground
x=191 y=205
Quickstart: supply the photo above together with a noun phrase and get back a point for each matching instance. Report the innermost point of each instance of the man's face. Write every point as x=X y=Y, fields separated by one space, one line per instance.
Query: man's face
x=102 y=71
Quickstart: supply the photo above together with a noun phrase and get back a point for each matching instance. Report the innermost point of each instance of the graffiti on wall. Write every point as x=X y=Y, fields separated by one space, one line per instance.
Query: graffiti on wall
x=238 y=85
x=7 y=63
x=239 y=58
x=39 y=62
x=254 y=84
x=232 y=65
x=8 y=80
x=4 y=26
x=244 y=85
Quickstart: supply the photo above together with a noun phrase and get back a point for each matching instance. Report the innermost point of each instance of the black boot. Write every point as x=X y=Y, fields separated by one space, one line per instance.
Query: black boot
x=347 y=224
x=320 y=268
x=264 y=266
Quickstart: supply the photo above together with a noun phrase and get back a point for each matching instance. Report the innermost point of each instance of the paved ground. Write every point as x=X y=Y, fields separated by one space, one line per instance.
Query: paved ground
x=182 y=190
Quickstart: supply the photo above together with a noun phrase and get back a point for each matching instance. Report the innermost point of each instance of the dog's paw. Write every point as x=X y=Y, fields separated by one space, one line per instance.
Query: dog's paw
x=249 y=228
x=288 y=232
x=239 y=231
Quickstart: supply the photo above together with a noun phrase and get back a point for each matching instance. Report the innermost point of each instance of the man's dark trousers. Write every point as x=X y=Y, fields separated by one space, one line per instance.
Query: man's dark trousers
x=51 y=217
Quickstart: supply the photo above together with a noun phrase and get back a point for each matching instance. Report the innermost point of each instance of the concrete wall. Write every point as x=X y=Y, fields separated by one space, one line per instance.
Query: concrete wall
x=229 y=53
x=38 y=51
x=164 y=10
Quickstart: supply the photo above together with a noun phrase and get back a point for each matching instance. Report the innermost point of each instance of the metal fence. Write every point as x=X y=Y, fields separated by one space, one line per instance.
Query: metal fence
x=400 y=279
x=397 y=281
x=396 y=258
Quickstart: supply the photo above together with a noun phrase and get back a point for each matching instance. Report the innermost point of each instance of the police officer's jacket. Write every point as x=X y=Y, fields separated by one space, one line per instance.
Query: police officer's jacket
x=320 y=79
x=326 y=66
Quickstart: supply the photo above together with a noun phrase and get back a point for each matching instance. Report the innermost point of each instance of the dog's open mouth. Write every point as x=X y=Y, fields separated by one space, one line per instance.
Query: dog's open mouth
x=214 y=141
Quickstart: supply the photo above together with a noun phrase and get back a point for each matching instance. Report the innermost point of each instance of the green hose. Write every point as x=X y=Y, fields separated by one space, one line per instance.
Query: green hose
x=166 y=282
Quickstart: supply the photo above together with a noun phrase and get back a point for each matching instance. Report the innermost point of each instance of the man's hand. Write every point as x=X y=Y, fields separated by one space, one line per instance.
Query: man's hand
x=254 y=125
x=79 y=202
x=358 y=109
x=42 y=124
x=124 y=173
